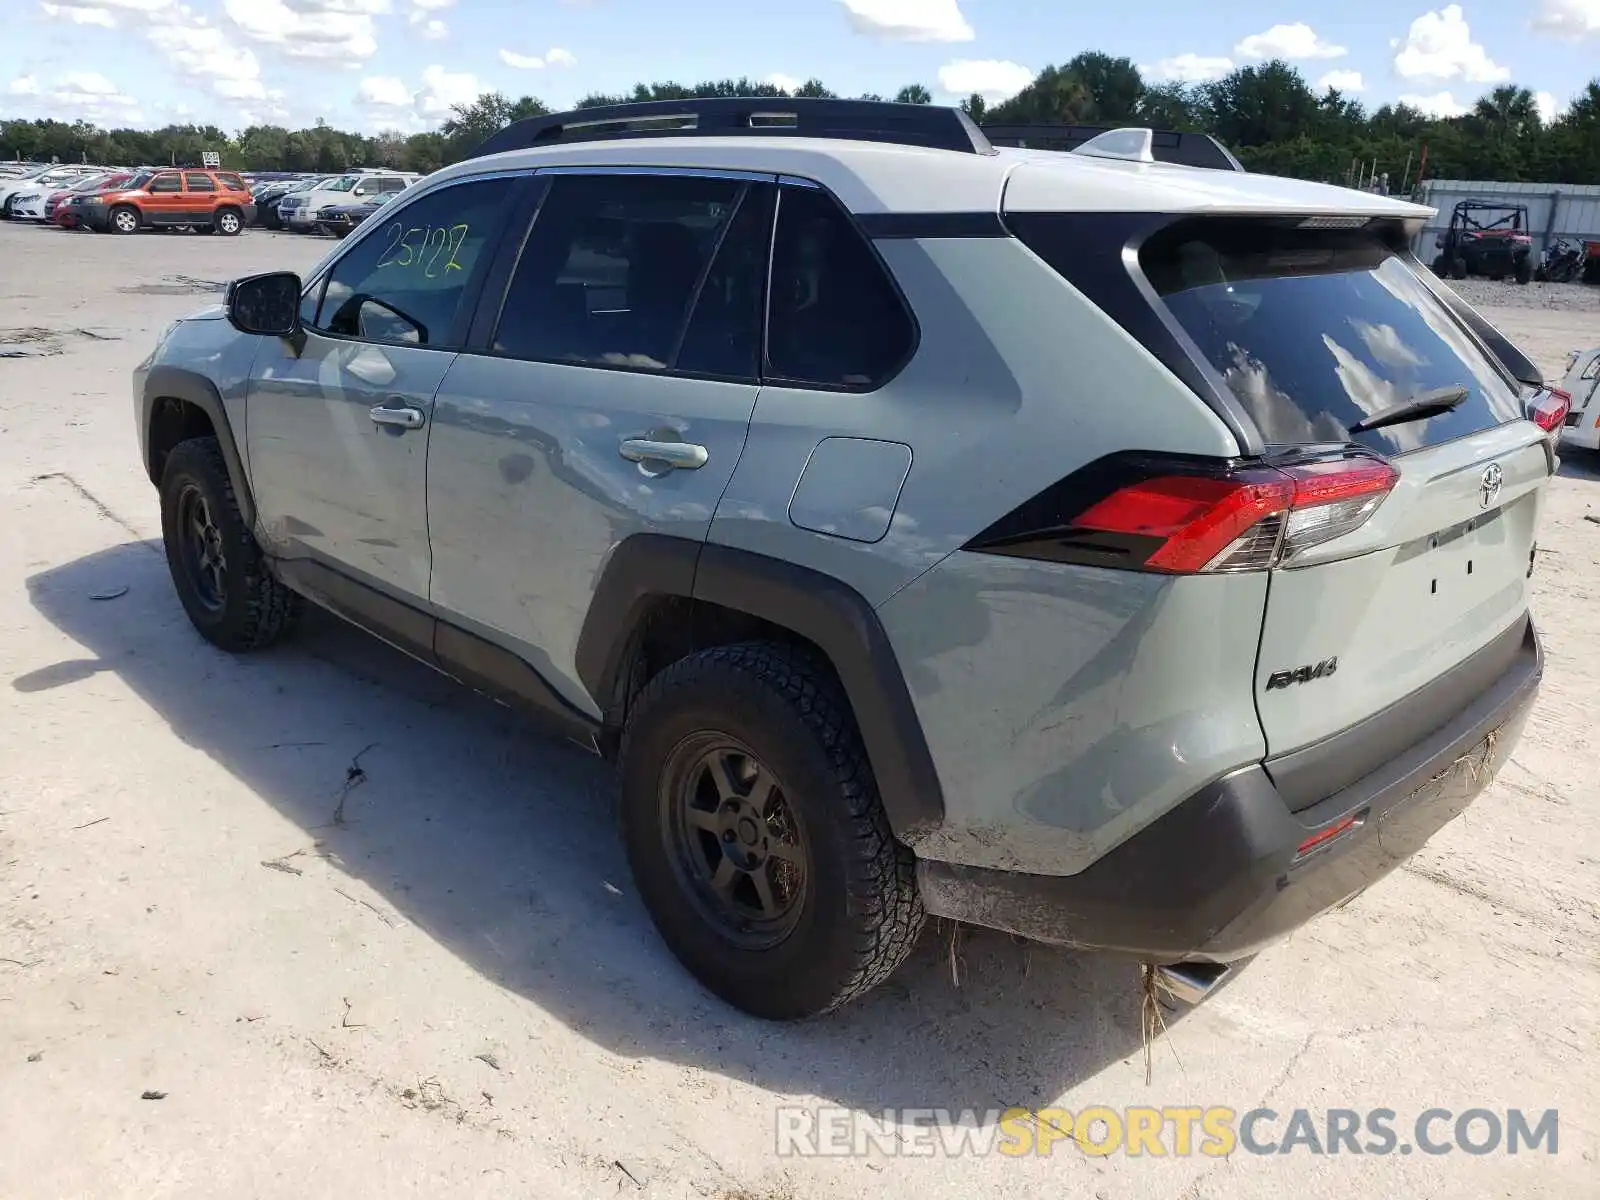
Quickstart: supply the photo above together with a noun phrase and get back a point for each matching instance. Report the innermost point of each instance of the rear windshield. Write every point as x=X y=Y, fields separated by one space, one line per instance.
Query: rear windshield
x=1314 y=330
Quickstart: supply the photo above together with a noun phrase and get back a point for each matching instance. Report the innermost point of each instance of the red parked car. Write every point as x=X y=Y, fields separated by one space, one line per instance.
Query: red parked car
x=65 y=215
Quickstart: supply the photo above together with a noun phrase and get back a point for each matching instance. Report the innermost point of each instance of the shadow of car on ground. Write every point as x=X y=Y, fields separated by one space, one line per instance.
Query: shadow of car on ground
x=502 y=846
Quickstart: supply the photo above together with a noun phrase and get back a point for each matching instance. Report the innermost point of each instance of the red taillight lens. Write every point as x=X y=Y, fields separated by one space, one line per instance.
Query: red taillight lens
x=1245 y=520
x=1323 y=836
x=1549 y=407
x=1194 y=516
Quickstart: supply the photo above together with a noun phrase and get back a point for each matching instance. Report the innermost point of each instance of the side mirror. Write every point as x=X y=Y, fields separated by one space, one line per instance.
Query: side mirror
x=265 y=304
x=358 y=190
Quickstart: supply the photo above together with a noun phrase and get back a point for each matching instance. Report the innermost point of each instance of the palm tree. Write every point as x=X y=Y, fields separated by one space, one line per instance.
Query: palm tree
x=1507 y=112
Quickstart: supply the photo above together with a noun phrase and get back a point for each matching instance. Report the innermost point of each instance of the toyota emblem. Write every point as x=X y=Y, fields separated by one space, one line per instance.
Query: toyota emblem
x=1489 y=486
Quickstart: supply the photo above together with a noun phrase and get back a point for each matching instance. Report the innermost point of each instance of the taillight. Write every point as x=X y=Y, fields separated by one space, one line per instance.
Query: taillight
x=1548 y=408
x=1185 y=518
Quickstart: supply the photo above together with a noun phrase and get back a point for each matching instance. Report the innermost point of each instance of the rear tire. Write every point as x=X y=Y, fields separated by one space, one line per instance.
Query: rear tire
x=1458 y=269
x=742 y=762
x=1441 y=267
x=217 y=568
x=124 y=219
x=1523 y=271
x=227 y=222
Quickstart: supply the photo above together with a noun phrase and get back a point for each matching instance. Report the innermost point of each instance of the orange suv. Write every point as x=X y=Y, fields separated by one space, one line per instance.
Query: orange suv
x=216 y=201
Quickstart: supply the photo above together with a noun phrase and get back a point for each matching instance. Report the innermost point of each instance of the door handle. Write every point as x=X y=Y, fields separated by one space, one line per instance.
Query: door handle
x=685 y=456
x=399 y=418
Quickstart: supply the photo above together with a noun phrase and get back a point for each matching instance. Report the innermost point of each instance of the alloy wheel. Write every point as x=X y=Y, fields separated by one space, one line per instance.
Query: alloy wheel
x=736 y=840
x=201 y=541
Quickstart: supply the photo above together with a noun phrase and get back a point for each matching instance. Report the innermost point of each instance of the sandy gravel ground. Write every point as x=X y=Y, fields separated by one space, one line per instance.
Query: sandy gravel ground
x=454 y=992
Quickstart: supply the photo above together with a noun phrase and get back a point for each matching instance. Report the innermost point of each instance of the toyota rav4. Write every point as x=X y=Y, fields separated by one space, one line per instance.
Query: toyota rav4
x=1125 y=553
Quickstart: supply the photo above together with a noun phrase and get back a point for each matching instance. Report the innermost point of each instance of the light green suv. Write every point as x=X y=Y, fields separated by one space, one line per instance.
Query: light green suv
x=1109 y=546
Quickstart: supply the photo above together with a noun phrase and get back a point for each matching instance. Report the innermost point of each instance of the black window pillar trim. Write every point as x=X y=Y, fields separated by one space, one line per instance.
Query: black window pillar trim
x=646 y=568
x=1103 y=264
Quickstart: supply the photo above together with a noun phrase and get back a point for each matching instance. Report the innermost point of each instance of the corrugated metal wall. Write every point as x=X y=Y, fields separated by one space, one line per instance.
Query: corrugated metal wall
x=1555 y=210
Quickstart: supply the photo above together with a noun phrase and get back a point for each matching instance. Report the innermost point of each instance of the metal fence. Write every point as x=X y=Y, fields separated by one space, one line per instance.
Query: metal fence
x=1555 y=210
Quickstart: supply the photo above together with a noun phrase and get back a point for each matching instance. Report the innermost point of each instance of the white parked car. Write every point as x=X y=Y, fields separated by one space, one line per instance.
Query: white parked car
x=33 y=203
x=1582 y=428
x=43 y=181
x=298 y=210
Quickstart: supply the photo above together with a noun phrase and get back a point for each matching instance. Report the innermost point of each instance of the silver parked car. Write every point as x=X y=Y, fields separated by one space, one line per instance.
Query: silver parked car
x=1127 y=554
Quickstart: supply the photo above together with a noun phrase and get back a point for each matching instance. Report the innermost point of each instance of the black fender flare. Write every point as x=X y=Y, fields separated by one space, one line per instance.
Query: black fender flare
x=176 y=383
x=645 y=568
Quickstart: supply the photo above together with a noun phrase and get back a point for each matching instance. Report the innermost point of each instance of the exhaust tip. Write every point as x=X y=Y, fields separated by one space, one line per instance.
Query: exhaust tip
x=1190 y=982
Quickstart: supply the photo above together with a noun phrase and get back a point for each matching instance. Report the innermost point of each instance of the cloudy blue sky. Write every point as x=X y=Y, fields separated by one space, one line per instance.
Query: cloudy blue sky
x=400 y=64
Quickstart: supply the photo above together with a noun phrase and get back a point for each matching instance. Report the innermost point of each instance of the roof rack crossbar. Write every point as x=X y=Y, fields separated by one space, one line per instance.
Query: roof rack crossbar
x=924 y=125
x=1166 y=145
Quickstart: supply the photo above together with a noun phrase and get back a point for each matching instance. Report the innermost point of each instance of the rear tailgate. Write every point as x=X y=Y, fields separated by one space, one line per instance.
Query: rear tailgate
x=1316 y=332
x=1434 y=577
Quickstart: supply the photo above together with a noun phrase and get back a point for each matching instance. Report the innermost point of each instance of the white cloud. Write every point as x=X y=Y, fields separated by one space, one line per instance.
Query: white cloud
x=1440 y=47
x=909 y=20
x=421 y=13
x=370 y=8
x=1342 y=81
x=1440 y=104
x=993 y=79
x=340 y=37
x=555 y=57
x=385 y=91
x=442 y=90
x=78 y=14
x=1550 y=109
x=1288 y=41
x=787 y=82
x=1568 y=19
x=1189 y=68
x=435 y=30
x=202 y=51
x=77 y=94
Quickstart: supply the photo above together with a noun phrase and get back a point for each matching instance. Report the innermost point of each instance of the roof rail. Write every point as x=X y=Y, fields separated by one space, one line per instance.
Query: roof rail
x=1166 y=145
x=749 y=116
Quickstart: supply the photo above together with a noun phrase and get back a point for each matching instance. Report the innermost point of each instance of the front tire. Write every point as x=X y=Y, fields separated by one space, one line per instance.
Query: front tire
x=217 y=568
x=756 y=835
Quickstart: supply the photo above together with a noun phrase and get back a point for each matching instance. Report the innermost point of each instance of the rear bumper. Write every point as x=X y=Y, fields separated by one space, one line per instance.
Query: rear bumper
x=1220 y=876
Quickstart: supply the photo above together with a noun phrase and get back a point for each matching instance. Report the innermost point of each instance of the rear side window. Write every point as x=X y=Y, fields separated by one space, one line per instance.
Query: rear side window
x=196 y=181
x=1314 y=330
x=836 y=319
x=610 y=274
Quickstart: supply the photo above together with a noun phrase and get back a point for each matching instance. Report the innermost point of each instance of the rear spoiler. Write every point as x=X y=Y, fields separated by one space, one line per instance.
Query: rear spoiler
x=1166 y=145
x=1522 y=368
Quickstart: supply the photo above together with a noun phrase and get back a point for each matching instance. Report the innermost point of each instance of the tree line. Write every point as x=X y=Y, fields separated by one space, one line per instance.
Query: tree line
x=1267 y=114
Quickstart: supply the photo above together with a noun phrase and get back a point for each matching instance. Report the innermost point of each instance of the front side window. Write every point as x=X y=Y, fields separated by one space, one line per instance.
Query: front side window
x=836 y=319
x=651 y=272
x=344 y=185
x=167 y=181
x=199 y=181
x=403 y=284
